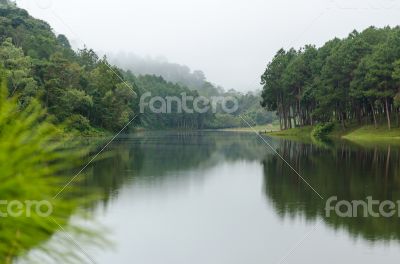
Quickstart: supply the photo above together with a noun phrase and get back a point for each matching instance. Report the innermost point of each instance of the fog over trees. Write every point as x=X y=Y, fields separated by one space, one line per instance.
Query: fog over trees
x=172 y=72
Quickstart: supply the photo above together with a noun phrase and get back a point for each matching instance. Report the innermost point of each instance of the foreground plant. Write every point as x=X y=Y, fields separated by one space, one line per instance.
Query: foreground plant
x=33 y=165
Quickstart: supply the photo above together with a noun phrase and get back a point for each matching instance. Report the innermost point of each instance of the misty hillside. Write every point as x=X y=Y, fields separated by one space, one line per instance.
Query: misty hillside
x=85 y=91
x=196 y=81
x=172 y=72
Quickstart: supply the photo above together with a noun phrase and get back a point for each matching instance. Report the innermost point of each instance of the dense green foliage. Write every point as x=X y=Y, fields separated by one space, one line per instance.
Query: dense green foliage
x=322 y=130
x=75 y=86
x=171 y=72
x=84 y=91
x=352 y=79
x=156 y=83
x=33 y=165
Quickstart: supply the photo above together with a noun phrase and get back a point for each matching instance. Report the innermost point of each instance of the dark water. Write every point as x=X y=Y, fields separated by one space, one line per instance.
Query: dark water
x=220 y=197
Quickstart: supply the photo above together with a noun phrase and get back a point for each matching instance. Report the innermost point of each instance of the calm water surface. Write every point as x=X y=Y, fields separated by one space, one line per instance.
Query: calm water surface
x=221 y=197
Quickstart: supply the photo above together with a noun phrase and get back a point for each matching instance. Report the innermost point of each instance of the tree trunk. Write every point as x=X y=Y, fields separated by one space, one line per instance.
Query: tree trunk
x=295 y=124
x=341 y=119
x=299 y=112
x=285 y=123
x=359 y=115
x=280 y=118
x=398 y=117
x=387 y=113
x=374 y=116
x=279 y=113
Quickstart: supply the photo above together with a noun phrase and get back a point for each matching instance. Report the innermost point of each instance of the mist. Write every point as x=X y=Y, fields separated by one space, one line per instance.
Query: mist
x=231 y=42
x=160 y=66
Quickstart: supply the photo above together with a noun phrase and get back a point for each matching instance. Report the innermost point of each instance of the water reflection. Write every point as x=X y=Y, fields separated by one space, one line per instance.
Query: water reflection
x=348 y=171
x=158 y=156
x=343 y=169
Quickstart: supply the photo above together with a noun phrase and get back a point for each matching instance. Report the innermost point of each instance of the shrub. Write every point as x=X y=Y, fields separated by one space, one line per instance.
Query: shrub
x=322 y=130
x=79 y=123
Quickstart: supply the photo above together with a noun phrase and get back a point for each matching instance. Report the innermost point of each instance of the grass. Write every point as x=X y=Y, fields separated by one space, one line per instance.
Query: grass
x=294 y=132
x=261 y=129
x=353 y=132
x=369 y=133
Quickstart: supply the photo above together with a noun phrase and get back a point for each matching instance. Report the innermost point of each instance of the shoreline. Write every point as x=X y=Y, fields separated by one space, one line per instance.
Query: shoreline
x=367 y=133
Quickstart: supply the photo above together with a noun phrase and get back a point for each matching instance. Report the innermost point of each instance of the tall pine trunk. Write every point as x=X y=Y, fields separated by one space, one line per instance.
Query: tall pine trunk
x=374 y=116
x=387 y=113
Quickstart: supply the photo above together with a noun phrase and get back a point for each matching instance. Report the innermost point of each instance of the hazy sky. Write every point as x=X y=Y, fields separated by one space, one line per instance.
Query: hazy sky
x=230 y=40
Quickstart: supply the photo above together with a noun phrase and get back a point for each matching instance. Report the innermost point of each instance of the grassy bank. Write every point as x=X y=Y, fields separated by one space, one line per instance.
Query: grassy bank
x=370 y=133
x=352 y=132
x=261 y=129
x=300 y=132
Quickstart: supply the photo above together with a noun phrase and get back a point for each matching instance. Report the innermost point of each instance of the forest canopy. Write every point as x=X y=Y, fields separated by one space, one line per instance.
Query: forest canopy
x=88 y=94
x=350 y=80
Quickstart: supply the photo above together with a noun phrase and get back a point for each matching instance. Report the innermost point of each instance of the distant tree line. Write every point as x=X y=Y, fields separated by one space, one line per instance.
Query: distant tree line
x=86 y=93
x=355 y=79
x=171 y=72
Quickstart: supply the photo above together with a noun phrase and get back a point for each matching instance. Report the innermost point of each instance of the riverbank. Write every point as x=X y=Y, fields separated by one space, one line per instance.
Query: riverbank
x=269 y=128
x=352 y=132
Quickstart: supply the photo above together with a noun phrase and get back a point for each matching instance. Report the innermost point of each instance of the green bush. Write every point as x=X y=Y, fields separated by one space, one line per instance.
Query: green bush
x=322 y=130
x=79 y=123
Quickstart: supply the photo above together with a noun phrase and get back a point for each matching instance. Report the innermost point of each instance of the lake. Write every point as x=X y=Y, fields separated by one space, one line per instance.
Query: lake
x=226 y=197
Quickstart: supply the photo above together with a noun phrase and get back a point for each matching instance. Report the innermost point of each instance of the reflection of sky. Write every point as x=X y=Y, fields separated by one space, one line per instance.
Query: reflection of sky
x=219 y=214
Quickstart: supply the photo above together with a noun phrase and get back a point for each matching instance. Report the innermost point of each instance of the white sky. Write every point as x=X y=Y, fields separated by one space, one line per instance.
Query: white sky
x=230 y=40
